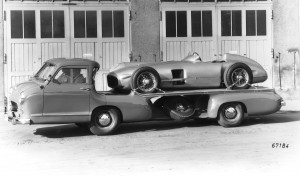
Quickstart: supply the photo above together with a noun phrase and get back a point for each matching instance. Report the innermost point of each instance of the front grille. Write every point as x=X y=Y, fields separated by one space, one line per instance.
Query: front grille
x=112 y=81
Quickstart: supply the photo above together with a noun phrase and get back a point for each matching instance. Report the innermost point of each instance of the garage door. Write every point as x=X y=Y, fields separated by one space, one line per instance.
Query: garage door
x=36 y=34
x=212 y=29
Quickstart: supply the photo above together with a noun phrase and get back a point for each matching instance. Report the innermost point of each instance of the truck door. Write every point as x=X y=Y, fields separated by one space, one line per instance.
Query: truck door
x=67 y=96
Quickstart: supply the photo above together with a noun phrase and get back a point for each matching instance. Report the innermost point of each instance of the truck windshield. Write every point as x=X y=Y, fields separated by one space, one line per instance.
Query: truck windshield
x=46 y=71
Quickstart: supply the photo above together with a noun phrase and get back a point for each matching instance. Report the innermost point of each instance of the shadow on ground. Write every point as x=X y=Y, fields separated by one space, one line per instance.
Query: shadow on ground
x=71 y=130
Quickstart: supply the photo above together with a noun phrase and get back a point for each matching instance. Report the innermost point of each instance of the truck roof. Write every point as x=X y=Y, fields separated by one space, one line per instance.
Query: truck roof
x=73 y=61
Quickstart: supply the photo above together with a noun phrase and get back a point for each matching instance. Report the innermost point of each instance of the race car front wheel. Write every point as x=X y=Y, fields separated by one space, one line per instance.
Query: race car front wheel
x=238 y=76
x=105 y=121
x=145 y=80
x=230 y=115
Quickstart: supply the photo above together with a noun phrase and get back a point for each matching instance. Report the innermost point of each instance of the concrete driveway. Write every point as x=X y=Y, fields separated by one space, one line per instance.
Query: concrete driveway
x=156 y=148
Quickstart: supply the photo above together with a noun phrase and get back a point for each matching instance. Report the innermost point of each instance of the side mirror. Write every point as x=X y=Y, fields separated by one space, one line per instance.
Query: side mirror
x=49 y=78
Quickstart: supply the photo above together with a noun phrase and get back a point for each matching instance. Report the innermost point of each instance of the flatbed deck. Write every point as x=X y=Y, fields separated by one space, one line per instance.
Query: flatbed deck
x=205 y=92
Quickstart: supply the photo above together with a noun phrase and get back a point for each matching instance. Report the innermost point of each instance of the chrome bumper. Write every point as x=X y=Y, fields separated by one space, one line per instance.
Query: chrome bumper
x=15 y=118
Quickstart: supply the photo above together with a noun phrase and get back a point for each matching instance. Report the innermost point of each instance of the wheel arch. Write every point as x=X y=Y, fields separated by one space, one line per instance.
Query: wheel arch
x=140 y=69
x=217 y=101
x=244 y=108
x=107 y=107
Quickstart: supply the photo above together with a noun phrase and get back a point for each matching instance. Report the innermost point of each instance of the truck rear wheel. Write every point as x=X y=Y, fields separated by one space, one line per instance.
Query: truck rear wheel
x=231 y=115
x=105 y=121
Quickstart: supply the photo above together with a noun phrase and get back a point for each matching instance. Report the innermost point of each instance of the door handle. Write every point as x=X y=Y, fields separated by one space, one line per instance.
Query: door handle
x=86 y=89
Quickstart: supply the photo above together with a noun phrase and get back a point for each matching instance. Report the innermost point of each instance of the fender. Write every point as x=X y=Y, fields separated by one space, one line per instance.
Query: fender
x=255 y=103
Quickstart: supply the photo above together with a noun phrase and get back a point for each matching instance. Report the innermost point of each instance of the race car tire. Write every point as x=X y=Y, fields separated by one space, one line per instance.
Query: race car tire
x=145 y=80
x=238 y=76
x=105 y=121
x=230 y=115
x=179 y=108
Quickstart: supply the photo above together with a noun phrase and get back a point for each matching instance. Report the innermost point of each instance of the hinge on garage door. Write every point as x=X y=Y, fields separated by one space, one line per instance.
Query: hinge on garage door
x=5 y=59
x=272 y=15
x=4 y=15
x=160 y=16
x=130 y=15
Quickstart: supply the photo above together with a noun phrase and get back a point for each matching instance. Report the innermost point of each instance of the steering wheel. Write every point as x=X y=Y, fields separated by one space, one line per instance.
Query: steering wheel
x=197 y=55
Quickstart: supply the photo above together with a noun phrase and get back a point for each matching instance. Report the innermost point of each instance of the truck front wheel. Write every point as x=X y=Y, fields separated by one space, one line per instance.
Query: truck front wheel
x=105 y=121
x=231 y=115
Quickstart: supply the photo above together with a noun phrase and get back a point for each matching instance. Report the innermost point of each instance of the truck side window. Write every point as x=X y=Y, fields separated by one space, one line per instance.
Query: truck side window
x=71 y=76
x=63 y=76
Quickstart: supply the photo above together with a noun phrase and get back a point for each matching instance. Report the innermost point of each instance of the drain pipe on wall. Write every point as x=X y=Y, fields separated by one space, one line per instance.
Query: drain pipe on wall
x=279 y=69
x=2 y=61
x=294 y=51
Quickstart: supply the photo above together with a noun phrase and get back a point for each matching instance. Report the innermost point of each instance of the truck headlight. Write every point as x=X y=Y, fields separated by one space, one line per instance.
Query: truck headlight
x=22 y=98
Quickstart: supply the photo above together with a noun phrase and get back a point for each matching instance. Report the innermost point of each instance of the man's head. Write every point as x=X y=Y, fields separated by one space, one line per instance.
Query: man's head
x=66 y=71
x=76 y=71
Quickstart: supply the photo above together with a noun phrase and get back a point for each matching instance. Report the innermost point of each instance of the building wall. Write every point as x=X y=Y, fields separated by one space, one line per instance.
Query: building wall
x=1 y=59
x=286 y=36
x=145 y=36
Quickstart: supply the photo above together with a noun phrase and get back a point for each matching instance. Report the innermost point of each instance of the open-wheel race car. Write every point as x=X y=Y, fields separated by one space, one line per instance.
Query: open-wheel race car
x=233 y=71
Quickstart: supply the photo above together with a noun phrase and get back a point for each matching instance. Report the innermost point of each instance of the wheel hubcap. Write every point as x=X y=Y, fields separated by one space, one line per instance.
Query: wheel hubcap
x=240 y=77
x=104 y=119
x=230 y=113
x=180 y=107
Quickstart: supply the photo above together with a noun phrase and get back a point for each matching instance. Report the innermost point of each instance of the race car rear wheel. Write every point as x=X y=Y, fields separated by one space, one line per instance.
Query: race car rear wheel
x=105 y=121
x=179 y=108
x=145 y=80
x=230 y=115
x=238 y=76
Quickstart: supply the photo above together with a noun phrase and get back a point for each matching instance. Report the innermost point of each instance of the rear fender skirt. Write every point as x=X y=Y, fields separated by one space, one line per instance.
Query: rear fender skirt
x=259 y=103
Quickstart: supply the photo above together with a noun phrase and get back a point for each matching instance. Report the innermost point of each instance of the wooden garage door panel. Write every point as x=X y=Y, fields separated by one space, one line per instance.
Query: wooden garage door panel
x=53 y=50
x=204 y=48
x=22 y=57
x=112 y=54
x=84 y=50
x=256 y=49
x=231 y=46
x=176 y=50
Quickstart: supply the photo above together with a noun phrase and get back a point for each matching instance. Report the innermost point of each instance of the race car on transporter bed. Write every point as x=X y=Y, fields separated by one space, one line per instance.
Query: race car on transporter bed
x=233 y=71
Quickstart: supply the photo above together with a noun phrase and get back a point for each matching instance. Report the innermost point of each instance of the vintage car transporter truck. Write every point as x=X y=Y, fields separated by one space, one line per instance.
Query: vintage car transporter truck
x=63 y=91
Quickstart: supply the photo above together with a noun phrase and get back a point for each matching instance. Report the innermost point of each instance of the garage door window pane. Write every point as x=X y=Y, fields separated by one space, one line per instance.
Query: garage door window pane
x=250 y=23
x=226 y=23
x=237 y=23
x=107 y=24
x=46 y=24
x=118 y=23
x=181 y=24
x=29 y=24
x=207 y=23
x=196 y=23
x=79 y=24
x=261 y=22
x=58 y=24
x=91 y=24
x=170 y=24
x=16 y=24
